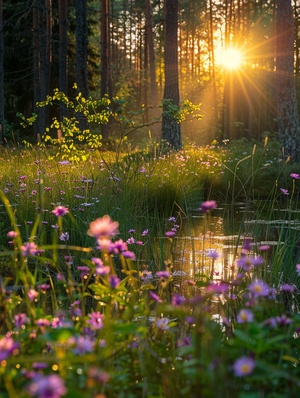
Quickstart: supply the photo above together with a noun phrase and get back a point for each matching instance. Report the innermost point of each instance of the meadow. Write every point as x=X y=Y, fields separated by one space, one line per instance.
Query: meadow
x=92 y=304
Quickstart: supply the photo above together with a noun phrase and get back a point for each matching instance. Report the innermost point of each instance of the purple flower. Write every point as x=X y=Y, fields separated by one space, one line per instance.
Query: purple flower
x=83 y=344
x=259 y=288
x=145 y=232
x=20 y=320
x=243 y=366
x=103 y=228
x=246 y=246
x=177 y=299
x=247 y=262
x=84 y=270
x=170 y=234
x=128 y=254
x=7 y=347
x=245 y=316
x=162 y=323
x=29 y=249
x=208 y=205
x=286 y=288
x=212 y=253
x=284 y=191
x=96 y=320
x=163 y=274
x=118 y=247
x=298 y=269
x=64 y=236
x=155 y=297
x=60 y=211
x=51 y=386
x=295 y=176
x=114 y=281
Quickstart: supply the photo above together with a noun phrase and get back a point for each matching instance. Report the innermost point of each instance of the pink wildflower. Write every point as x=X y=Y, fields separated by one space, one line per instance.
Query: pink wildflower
x=103 y=228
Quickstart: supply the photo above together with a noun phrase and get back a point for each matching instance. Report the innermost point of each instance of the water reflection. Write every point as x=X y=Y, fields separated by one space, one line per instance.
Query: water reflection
x=193 y=252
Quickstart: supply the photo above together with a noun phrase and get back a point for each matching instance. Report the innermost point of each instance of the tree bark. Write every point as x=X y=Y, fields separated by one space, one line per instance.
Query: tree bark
x=287 y=111
x=2 y=117
x=81 y=55
x=171 y=129
x=63 y=53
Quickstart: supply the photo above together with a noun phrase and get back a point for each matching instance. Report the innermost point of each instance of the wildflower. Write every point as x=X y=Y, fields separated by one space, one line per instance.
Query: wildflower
x=105 y=244
x=128 y=254
x=208 y=205
x=42 y=322
x=84 y=270
x=243 y=366
x=284 y=191
x=130 y=241
x=29 y=249
x=191 y=282
x=162 y=323
x=60 y=211
x=298 y=269
x=96 y=320
x=60 y=277
x=131 y=231
x=247 y=262
x=245 y=316
x=43 y=287
x=217 y=288
x=20 y=320
x=155 y=297
x=32 y=294
x=212 y=253
x=145 y=232
x=283 y=320
x=286 y=288
x=12 y=234
x=118 y=246
x=170 y=234
x=64 y=236
x=114 y=281
x=64 y=162
x=295 y=176
x=163 y=274
x=83 y=345
x=7 y=347
x=259 y=288
x=50 y=386
x=264 y=247
x=103 y=228
x=177 y=299
x=246 y=246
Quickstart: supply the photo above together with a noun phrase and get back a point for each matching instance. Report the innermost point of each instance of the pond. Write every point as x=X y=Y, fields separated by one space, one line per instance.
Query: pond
x=223 y=232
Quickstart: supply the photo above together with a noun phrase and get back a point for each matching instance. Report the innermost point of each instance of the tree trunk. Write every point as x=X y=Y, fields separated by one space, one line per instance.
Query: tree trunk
x=2 y=125
x=171 y=129
x=104 y=59
x=287 y=111
x=81 y=55
x=63 y=53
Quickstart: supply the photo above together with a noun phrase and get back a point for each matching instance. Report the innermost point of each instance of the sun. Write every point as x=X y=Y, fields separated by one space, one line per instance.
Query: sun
x=231 y=58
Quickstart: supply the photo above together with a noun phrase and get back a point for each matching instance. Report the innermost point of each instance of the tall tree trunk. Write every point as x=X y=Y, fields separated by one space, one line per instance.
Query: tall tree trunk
x=2 y=117
x=81 y=55
x=63 y=53
x=171 y=129
x=287 y=111
x=104 y=59
x=150 y=42
x=36 y=67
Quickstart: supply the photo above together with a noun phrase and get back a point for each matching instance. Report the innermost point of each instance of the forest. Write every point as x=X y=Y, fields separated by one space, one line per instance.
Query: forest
x=149 y=198
x=236 y=60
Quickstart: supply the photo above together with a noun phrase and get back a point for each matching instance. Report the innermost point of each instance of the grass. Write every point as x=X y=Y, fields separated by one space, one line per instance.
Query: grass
x=99 y=318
